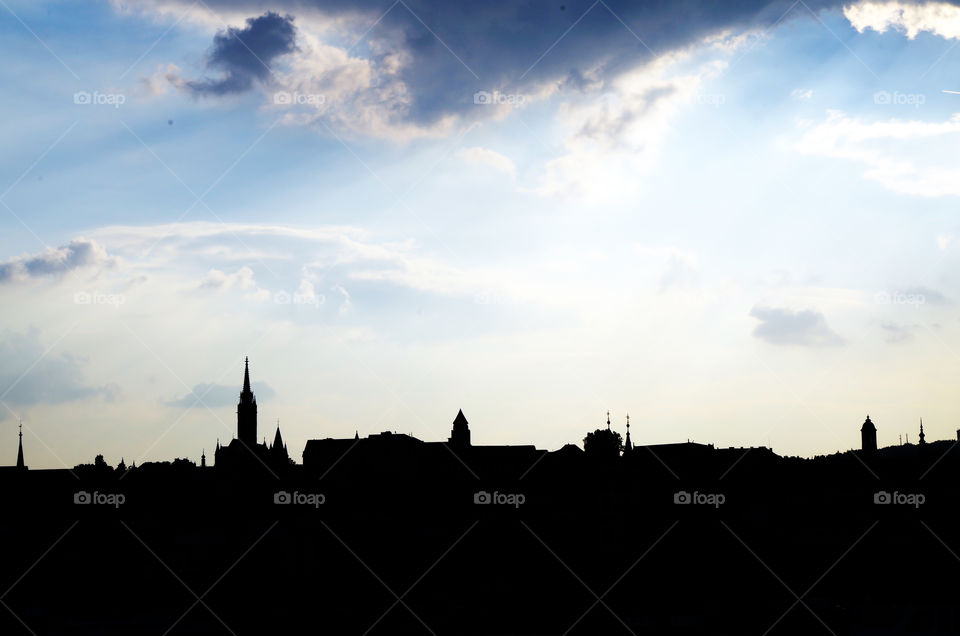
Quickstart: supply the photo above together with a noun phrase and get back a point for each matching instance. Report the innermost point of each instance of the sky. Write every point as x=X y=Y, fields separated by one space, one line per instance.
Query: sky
x=735 y=222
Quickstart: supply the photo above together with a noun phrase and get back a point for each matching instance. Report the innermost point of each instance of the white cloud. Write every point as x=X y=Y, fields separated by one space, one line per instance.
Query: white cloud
x=940 y=18
x=489 y=158
x=613 y=136
x=221 y=281
x=884 y=147
x=79 y=254
x=801 y=94
x=156 y=85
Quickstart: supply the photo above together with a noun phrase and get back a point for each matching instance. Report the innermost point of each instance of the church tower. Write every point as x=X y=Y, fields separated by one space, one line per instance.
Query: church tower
x=460 y=435
x=868 y=437
x=923 y=438
x=247 y=411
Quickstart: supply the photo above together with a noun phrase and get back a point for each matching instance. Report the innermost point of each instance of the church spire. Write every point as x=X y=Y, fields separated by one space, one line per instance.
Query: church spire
x=247 y=410
x=627 y=444
x=277 y=439
x=20 y=448
x=922 y=436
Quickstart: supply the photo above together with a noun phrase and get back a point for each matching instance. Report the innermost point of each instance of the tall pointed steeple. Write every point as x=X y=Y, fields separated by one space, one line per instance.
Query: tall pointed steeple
x=20 y=465
x=246 y=375
x=922 y=436
x=247 y=410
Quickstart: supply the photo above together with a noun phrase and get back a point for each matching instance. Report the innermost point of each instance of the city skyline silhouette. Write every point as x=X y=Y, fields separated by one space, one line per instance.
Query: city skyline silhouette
x=383 y=317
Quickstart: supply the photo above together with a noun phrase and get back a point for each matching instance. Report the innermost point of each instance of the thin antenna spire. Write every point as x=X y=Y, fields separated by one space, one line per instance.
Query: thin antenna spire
x=608 y=419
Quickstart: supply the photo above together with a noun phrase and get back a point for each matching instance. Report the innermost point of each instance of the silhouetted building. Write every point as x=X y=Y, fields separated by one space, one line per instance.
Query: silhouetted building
x=460 y=434
x=398 y=453
x=923 y=437
x=278 y=450
x=247 y=410
x=868 y=437
x=243 y=453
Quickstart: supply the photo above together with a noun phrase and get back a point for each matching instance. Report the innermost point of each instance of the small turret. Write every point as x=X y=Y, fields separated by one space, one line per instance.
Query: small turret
x=868 y=437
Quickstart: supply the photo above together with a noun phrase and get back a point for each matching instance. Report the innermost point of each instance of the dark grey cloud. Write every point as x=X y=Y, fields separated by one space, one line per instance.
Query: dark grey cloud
x=28 y=377
x=243 y=56
x=457 y=48
x=217 y=395
x=56 y=261
x=789 y=327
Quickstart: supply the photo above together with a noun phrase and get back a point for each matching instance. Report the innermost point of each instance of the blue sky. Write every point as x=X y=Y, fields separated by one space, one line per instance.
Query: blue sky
x=738 y=225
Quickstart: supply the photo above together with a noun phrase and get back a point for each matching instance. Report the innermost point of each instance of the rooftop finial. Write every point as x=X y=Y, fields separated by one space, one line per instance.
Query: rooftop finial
x=608 y=419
